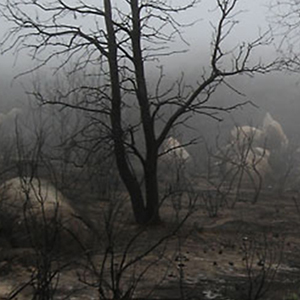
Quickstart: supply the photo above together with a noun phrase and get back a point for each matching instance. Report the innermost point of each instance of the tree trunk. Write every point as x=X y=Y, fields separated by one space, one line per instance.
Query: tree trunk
x=150 y=165
x=134 y=189
x=151 y=186
x=127 y=177
x=152 y=198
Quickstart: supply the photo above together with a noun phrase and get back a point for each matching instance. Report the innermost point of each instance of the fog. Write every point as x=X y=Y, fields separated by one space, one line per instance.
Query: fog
x=119 y=155
x=276 y=93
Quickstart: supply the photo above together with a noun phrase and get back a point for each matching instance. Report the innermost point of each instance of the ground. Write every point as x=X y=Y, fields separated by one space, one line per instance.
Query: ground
x=248 y=251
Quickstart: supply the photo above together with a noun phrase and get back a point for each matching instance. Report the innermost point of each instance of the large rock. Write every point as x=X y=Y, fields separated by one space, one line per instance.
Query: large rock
x=247 y=136
x=244 y=167
x=35 y=214
x=275 y=138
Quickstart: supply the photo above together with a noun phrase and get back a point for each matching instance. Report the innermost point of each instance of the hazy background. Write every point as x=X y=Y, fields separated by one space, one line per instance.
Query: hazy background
x=276 y=93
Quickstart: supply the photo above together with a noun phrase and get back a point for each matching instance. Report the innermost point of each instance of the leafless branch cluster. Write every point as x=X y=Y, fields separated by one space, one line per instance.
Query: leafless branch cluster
x=285 y=22
x=113 y=44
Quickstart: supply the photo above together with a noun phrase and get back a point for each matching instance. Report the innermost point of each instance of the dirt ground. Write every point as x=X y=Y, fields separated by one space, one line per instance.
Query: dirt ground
x=250 y=251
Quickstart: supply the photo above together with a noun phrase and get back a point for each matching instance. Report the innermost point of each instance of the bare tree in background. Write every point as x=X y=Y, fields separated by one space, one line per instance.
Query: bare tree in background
x=118 y=40
x=286 y=25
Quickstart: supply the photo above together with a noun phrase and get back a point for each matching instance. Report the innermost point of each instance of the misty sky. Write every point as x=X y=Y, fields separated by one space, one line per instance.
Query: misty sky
x=199 y=36
x=279 y=89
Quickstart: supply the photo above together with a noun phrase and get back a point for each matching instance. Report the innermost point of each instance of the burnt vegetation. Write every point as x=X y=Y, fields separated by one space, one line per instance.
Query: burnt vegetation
x=105 y=191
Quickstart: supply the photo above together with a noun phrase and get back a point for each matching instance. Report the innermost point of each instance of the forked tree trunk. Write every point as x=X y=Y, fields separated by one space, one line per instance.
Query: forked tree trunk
x=145 y=207
x=116 y=121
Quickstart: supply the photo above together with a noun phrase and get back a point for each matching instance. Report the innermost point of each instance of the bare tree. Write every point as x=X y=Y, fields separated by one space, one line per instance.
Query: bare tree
x=286 y=25
x=119 y=41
